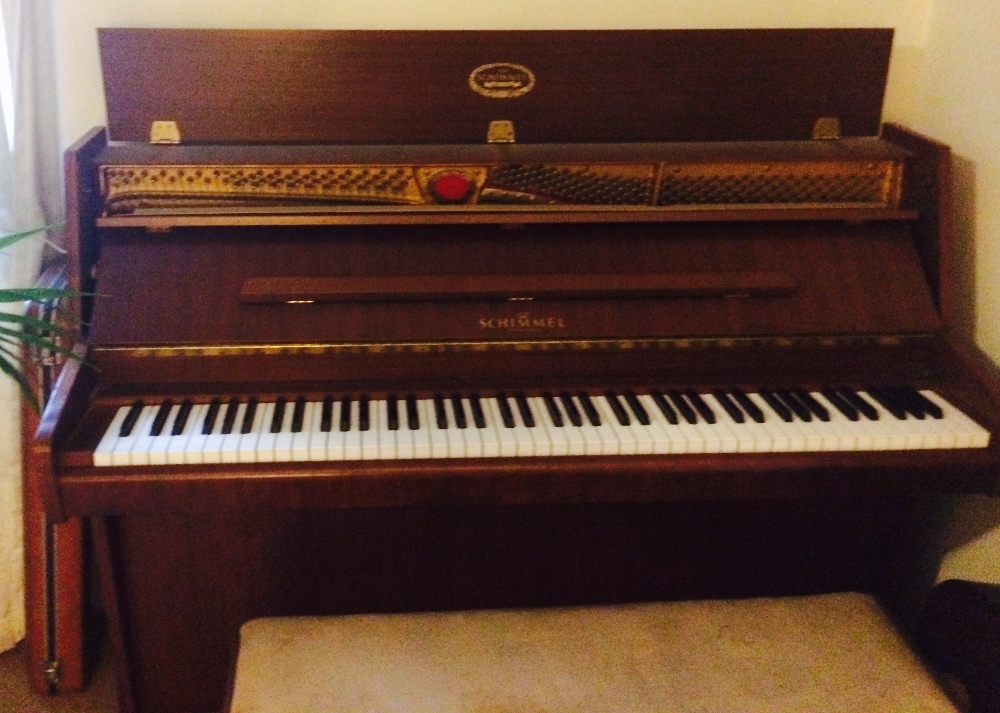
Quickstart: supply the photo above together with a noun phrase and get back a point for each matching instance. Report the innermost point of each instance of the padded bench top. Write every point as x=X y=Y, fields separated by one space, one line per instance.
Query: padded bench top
x=835 y=653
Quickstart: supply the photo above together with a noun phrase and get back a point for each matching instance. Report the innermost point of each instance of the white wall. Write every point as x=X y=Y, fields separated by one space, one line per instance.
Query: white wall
x=958 y=102
x=943 y=81
x=80 y=92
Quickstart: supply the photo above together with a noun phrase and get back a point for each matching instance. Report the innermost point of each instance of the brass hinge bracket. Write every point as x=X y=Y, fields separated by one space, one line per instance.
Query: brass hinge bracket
x=50 y=672
x=500 y=132
x=826 y=128
x=164 y=132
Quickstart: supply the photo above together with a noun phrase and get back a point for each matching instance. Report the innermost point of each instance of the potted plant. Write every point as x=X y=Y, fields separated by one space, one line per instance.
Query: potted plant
x=19 y=330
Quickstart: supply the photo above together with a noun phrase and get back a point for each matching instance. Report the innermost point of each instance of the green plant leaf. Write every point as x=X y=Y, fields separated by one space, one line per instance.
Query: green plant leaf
x=14 y=336
x=8 y=240
x=11 y=369
x=34 y=294
x=39 y=325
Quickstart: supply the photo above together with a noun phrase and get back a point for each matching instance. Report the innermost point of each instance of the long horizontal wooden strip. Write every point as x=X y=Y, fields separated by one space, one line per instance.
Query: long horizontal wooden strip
x=441 y=215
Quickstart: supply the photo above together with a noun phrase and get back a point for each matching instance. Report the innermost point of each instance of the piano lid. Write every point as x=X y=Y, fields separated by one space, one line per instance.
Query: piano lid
x=447 y=87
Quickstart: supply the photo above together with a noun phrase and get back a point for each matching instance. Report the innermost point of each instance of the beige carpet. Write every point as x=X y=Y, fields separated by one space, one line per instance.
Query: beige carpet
x=17 y=697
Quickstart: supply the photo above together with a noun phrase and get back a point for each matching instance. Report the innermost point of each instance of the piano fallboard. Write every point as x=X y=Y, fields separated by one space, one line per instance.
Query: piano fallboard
x=808 y=464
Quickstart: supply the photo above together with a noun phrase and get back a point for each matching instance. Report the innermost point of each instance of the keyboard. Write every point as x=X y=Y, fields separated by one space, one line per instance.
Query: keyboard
x=355 y=427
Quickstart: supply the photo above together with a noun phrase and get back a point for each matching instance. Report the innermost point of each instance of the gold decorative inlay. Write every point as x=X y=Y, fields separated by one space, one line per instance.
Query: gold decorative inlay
x=501 y=80
x=508 y=345
x=853 y=183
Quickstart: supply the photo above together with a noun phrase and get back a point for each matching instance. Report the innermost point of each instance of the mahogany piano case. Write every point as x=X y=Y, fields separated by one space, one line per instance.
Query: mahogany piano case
x=451 y=320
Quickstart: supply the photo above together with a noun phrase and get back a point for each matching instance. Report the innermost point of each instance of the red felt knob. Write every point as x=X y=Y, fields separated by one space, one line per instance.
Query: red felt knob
x=451 y=187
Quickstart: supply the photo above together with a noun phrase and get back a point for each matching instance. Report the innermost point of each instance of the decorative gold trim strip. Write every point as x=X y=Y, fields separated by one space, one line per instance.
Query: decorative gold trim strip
x=859 y=183
x=555 y=345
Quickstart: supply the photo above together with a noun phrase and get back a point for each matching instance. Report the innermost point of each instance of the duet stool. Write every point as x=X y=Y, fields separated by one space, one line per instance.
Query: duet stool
x=835 y=653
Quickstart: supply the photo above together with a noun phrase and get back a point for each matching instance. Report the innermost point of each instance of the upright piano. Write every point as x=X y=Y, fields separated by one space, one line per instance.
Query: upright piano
x=391 y=321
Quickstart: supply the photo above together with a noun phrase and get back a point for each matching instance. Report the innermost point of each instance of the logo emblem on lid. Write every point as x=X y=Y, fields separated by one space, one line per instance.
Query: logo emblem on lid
x=502 y=80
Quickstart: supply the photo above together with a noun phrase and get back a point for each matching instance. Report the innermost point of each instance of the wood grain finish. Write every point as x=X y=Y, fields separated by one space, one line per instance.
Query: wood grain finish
x=190 y=552
x=413 y=87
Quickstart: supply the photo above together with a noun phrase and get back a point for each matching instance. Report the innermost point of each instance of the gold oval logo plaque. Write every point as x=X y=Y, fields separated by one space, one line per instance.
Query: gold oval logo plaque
x=502 y=80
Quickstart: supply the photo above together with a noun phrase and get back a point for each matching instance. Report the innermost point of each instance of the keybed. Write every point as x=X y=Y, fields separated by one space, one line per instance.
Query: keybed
x=514 y=424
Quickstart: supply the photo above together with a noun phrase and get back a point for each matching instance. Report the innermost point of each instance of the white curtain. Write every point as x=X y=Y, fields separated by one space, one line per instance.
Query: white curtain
x=29 y=197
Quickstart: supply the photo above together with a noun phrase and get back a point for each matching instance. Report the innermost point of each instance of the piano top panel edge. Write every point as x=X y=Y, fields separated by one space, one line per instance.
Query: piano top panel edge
x=382 y=215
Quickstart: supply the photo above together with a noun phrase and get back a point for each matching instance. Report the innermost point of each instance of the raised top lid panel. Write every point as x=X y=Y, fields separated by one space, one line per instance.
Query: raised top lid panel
x=446 y=87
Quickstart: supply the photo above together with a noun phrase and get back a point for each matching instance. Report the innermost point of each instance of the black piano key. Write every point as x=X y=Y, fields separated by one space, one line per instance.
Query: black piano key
x=364 y=414
x=478 y=417
x=130 y=418
x=345 y=414
x=859 y=402
x=776 y=405
x=884 y=398
x=392 y=412
x=637 y=408
x=792 y=402
x=930 y=408
x=229 y=420
x=841 y=404
x=439 y=413
x=748 y=405
x=703 y=408
x=326 y=415
x=278 y=417
x=617 y=409
x=572 y=412
x=527 y=416
x=506 y=415
x=298 y=414
x=161 y=418
x=458 y=409
x=211 y=416
x=589 y=409
x=412 y=414
x=183 y=413
x=905 y=398
x=553 y=408
x=248 y=416
x=682 y=406
x=727 y=403
x=815 y=407
x=665 y=408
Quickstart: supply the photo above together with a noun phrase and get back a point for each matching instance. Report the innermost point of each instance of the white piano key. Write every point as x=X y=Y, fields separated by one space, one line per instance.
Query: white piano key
x=440 y=444
x=186 y=447
x=351 y=447
x=124 y=451
x=266 y=441
x=422 y=436
x=384 y=437
x=405 y=436
x=230 y=443
x=247 y=452
x=667 y=438
x=103 y=454
x=489 y=436
x=211 y=445
x=739 y=437
x=369 y=437
x=966 y=433
x=541 y=434
x=471 y=439
x=557 y=435
x=319 y=440
x=841 y=433
x=507 y=437
x=301 y=441
x=158 y=445
x=902 y=435
x=627 y=441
